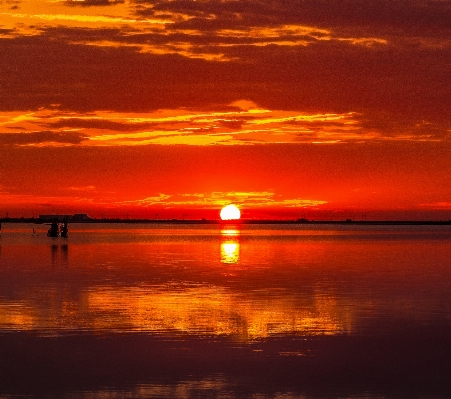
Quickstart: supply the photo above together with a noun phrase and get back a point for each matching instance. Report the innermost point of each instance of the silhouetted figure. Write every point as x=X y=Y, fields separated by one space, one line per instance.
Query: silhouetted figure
x=54 y=229
x=65 y=228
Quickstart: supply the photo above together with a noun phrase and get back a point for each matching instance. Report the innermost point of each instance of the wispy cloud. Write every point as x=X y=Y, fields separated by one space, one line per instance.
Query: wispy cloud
x=85 y=188
x=214 y=200
x=239 y=123
x=437 y=205
x=90 y=3
x=93 y=19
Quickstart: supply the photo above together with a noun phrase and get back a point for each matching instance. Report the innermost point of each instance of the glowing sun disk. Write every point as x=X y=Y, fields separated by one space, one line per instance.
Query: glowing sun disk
x=230 y=212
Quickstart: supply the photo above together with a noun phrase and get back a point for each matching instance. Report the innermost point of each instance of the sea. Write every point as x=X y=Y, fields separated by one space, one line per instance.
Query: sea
x=225 y=311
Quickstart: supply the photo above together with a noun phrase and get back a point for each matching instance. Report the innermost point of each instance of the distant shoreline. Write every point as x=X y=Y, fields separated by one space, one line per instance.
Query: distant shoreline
x=235 y=222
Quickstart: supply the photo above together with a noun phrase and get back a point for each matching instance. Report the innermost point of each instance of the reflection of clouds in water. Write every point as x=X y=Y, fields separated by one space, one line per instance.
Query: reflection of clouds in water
x=214 y=310
x=230 y=246
x=199 y=310
x=207 y=387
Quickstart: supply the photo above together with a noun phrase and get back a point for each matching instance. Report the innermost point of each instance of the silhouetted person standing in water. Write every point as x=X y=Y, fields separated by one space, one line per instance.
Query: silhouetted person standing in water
x=65 y=228
x=53 y=231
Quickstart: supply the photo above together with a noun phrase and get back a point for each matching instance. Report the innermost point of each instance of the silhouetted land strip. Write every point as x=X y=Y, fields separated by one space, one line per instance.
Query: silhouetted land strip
x=242 y=221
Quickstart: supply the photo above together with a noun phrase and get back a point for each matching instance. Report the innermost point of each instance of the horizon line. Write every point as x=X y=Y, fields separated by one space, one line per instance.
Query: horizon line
x=60 y=218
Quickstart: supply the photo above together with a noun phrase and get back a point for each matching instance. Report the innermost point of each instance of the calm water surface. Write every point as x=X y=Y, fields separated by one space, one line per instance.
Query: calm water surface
x=251 y=311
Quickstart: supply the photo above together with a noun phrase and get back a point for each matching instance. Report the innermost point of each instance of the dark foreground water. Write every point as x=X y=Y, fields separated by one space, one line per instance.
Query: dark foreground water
x=277 y=311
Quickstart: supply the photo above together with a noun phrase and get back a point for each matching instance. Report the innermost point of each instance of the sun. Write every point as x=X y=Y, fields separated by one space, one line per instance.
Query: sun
x=230 y=212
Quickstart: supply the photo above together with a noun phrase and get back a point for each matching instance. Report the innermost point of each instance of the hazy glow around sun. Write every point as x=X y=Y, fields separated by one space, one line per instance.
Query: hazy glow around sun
x=230 y=212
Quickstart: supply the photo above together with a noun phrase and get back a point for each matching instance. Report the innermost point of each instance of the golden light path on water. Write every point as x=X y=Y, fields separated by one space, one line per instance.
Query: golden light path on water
x=230 y=246
x=230 y=252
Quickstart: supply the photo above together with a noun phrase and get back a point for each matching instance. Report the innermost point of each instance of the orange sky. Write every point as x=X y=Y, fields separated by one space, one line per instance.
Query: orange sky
x=324 y=109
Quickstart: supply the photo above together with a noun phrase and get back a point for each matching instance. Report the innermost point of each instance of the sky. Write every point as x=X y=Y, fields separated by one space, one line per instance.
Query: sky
x=324 y=109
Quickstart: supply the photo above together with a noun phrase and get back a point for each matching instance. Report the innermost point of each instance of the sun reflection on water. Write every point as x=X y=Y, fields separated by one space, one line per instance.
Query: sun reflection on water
x=230 y=246
x=230 y=252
